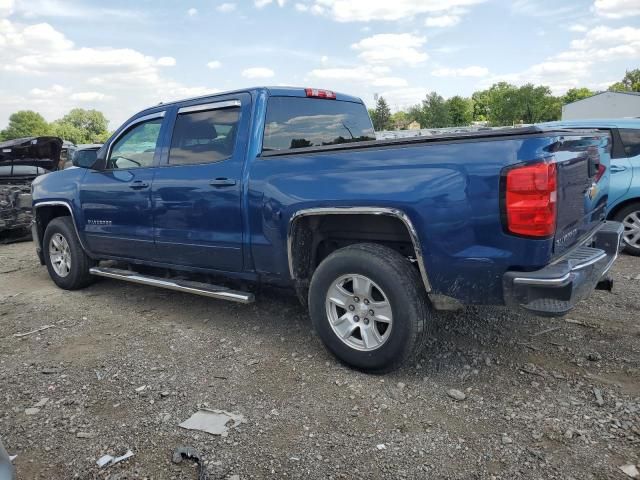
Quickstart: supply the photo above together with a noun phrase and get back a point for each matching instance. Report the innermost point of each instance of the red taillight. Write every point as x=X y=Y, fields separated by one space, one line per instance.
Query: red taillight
x=599 y=173
x=317 y=93
x=531 y=197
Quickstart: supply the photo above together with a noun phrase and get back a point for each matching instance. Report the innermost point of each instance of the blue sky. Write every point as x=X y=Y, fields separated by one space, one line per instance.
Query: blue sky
x=120 y=56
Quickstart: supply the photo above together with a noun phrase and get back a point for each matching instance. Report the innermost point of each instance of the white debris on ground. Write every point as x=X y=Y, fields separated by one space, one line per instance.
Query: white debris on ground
x=215 y=422
x=109 y=460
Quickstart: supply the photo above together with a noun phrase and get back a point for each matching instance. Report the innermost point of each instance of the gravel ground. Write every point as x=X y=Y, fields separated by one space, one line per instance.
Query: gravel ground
x=529 y=410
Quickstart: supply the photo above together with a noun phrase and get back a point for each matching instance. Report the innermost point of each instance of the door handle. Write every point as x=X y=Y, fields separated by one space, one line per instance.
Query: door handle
x=222 y=182
x=617 y=168
x=138 y=184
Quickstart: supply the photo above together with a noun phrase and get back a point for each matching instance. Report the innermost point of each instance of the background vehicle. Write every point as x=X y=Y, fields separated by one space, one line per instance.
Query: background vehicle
x=624 y=187
x=22 y=160
x=288 y=186
x=66 y=154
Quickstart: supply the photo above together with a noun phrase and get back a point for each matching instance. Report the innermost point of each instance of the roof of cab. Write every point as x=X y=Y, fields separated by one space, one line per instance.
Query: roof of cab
x=596 y=123
x=278 y=91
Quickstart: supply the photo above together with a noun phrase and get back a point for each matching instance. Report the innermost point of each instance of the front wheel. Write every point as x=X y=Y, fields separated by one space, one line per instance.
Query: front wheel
x=369 y=307
x=66 y=261
x=629 y=216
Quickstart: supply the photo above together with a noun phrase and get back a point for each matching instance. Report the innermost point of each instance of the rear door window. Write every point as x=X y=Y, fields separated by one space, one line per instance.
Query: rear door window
x=631 y=140
x=204 y=136
x=297 y=122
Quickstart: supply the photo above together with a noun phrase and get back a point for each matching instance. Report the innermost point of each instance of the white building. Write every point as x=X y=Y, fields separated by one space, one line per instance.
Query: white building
x=604 y=105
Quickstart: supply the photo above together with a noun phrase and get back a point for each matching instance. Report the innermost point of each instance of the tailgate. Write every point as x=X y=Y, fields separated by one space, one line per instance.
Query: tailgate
x=583 y=184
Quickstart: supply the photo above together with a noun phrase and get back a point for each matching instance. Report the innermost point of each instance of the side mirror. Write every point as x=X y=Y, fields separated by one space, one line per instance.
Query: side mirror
x=88 y=158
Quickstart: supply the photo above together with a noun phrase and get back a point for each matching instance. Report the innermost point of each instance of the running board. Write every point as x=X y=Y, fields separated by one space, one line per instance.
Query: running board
x=197 y=288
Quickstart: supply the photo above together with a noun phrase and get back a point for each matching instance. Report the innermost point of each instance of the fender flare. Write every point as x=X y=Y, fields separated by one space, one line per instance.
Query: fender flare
x=393 y=212
x=59 y=203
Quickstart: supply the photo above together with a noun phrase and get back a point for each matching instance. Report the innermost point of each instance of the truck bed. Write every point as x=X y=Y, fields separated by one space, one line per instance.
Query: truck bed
x=481 y=135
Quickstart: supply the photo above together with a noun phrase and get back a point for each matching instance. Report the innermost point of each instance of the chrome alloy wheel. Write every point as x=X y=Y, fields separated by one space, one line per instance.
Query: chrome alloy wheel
x=60 y=255
x=359 y=312
x=632 y=229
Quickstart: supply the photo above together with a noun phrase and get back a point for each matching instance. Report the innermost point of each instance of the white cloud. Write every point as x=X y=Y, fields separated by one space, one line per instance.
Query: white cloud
x=40 y=37
x=166 y=62
x=226 y=7
x=83 y=74
x=617 y=8
x=264 y=3
x=442 y=21
x=214 y=64
x=605 y=43
x=368 y=10
x=573 y=67
x=54 y=91
x=376 y=76
x=473 y=71
x=6 y=7
x=258 y=72
x=192 y=12
x=560 y=68
x=63 y=9
x=577 y=28
x=389 y=82
x=301 y=7
x=534 y=8
x=90 y=97
x=362 y=73
x=392 y=48
x=403 y=98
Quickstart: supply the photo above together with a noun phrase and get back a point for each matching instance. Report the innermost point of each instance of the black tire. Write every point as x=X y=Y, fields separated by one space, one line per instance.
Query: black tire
x=620 y=216
x=405 y=292
x=78 y=276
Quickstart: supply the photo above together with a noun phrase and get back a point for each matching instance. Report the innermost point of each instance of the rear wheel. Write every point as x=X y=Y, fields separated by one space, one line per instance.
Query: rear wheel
x=66 y=261
x=629 y=216
x=368 y=305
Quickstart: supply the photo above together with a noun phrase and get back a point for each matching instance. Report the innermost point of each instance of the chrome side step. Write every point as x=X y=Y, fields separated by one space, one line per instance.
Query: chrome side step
x=197 y=288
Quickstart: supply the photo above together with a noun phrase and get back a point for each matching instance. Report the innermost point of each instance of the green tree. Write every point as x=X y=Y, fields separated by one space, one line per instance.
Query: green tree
x=25 y=123
x=480 y=100
x=67 y=131
x=400 y=120
x=460 y=111
x=436 y=114
x=503 y=104
x=575 y=94
x=416 y=113
x=82 y=126
x=630 y=82
x=537 y=104
x=382 y=115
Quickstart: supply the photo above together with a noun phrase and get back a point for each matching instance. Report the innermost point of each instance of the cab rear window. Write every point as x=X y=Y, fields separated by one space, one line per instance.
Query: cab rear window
x=295 y=122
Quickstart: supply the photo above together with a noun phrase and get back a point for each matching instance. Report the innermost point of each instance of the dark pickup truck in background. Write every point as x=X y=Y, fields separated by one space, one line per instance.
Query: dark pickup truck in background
x=288 y=186
x=22 y=160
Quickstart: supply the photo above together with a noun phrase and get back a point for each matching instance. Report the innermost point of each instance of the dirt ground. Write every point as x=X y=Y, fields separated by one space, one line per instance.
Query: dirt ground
x=530 y=409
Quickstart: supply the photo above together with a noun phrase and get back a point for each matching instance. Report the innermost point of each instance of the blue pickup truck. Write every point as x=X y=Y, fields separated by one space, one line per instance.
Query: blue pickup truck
x=288 y=186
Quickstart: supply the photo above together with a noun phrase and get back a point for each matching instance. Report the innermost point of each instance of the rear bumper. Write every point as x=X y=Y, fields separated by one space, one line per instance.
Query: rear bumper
x=558 y=287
